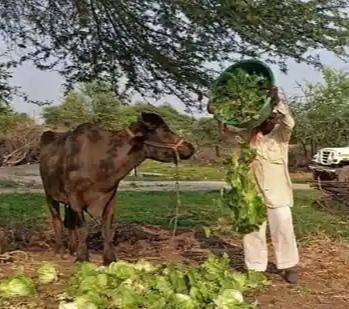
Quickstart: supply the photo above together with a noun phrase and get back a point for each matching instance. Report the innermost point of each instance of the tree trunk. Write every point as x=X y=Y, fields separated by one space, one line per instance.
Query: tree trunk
x=218 y=152
x=305 y=150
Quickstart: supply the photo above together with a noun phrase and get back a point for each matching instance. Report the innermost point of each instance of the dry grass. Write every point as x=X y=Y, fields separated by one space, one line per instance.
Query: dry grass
x=20 y=145
x=323 y=283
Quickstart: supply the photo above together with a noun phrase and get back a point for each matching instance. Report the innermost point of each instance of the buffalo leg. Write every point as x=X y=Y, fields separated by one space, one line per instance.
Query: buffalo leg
x=57 y=226
x=70 y=222
x=82 y=233
x=81 y=228
x=72 y=243
x=108 y=233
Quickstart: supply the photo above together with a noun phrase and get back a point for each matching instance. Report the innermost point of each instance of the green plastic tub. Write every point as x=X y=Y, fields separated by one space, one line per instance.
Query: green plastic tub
x=249 y=66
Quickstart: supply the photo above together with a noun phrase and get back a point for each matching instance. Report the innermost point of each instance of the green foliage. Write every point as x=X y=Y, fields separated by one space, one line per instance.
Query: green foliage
x=6 y=91
x=92 y=102
x=246 y=208
x=163 y=49
x=322 y=113
x=95 y=102
x=9 y=119
x=145 y=285
x=240 y=97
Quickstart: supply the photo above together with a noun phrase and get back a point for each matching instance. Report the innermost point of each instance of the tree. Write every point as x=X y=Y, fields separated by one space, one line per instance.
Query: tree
x=94 y=102
x=322 y=113
x=9 y=119
x=163 y=48
x=6 y=91
x=90 y=102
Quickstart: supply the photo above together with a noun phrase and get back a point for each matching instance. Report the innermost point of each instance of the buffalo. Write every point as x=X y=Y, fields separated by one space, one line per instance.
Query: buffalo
x=82 y=169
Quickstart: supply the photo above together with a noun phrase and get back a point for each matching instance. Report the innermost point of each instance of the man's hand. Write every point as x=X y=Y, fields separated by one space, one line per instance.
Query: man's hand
x=210 y=108
x=274 y=94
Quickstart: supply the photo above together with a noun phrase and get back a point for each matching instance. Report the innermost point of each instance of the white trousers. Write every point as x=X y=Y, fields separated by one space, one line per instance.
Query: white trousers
x=283 y=240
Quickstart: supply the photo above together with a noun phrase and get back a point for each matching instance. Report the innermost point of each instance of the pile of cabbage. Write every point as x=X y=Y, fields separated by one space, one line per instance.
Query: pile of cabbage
x=123 y=285
x=240 y=96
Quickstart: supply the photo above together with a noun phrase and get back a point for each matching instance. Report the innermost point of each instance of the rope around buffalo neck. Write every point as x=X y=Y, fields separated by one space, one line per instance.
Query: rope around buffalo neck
x=176 y=176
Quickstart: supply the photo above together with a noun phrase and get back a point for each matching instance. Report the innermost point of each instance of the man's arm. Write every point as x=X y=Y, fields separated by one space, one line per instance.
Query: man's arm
x=285 y=119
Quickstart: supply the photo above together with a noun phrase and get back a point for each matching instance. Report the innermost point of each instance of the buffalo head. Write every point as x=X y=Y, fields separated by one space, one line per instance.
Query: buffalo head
x=159 y=142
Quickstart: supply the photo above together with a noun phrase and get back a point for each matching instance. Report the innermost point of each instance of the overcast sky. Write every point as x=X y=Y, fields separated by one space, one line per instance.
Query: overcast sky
x=47 y=85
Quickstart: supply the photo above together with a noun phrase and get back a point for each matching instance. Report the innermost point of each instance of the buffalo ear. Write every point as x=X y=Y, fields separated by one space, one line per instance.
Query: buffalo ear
x=144 y=123
x=137 y=141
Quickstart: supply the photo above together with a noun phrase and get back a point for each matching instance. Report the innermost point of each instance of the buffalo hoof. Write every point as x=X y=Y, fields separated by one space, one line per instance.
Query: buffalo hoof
x=60 y=252
x=108 y=257
x=64 y=256
x=72 y=250
x=82 y=258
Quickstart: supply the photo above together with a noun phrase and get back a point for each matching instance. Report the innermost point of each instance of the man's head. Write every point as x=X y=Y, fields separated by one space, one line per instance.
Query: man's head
x=268 y=125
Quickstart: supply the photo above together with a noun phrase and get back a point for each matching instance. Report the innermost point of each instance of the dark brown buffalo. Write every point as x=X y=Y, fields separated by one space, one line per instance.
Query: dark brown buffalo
x=82 y=169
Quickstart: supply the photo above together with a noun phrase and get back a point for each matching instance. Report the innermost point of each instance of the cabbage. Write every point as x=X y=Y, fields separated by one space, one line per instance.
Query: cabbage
x=87 y=269
x=102 y=281
x=86 y=302
x=153 y=300
x=143 y=265
x=89 y=300
x=228 y=299
x=134 y=283
x=17 y=286
x=164 y=286
x=183 y=301
x=47 y=273
x=126 y=299
x=240 y=280
x=255 y=279
x=66 y=305
x=121 y=269
x=124 y=285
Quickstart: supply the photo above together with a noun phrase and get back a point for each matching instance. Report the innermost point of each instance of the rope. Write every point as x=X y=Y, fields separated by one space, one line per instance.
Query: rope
x=178 y=199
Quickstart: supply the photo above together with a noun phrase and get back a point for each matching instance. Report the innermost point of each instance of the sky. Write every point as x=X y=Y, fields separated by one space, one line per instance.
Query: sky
x=41 y=85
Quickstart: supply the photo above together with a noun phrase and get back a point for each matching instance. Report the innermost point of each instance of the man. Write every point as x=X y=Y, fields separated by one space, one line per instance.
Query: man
x=270 y=170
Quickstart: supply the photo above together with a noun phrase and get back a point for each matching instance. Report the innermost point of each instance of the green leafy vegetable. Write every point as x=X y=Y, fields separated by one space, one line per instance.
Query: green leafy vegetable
x=123 y=285
x=228 y=298
x=143 y=285
x=240 y=96
x=67 y=305
x=47 y=273
x=17 y=286
x=244 y=208
x=183 y=301
x=143 y=265
x=121 y=269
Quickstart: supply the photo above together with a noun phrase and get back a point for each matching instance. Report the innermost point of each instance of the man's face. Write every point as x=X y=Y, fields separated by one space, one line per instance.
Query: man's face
x=267 y=126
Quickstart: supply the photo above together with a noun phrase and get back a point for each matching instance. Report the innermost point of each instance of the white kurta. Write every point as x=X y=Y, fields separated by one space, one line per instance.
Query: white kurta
x=270 y=170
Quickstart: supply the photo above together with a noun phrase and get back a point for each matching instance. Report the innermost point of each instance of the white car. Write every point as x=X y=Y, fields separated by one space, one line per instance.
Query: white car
x=327 y=161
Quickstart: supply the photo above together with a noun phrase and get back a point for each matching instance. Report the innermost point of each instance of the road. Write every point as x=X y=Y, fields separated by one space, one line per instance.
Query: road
x=28 y=175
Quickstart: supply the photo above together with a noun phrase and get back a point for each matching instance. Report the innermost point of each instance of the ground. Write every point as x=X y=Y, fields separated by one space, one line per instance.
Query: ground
x=144 y=230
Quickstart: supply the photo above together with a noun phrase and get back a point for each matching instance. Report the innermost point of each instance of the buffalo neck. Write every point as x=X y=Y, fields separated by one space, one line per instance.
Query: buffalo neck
x=127 y=155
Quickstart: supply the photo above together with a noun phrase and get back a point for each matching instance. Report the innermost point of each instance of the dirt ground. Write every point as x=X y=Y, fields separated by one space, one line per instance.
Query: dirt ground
x=324 y=264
